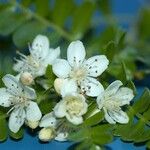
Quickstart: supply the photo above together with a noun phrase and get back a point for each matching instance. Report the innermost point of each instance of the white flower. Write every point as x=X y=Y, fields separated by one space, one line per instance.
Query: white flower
x=73 y=105
x=20 y=98
x=49 y=122
x=40 y=56
x=82 y=71
x=111 y=101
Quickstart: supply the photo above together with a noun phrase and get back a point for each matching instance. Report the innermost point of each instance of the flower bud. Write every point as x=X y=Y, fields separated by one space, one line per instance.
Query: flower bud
x=33 y=124
x=26 y=78
x=58 y=84
x=46 y=134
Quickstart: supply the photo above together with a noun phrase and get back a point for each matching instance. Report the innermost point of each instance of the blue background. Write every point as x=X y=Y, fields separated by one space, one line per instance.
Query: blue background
x=130 y=7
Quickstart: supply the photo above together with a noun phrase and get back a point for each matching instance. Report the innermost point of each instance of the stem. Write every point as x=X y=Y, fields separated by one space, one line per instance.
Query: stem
x=43 y=21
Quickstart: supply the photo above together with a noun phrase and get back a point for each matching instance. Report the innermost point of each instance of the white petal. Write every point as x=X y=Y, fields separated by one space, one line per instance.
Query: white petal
x=12 y=84
x=96 y=65
x=85 y=107
x=113 y=88
x=33 y=112
x=61 y=68
x=119 y=116
x=68 y=87
x=52 y=56
x=61 y=136
x=125 y=95
x=40 y=46
x=108 y=117
x=29 y=92
x=76 y=120
x=16 y=119
x=100 y=100
x=76 y=53
x=91 y=87
x=40 y=72
x=4 y=98
x=18 y=66
x=59 y=109
x=48 y=120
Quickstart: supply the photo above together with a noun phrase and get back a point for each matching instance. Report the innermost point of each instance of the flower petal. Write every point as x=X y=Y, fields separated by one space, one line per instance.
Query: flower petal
x=61 y=68
x=76 y=53
x=100 y=100
x=119 y=116
x=96 y=65
x=29 y=93
x=68 y=87
x=85 y=105
x=61 y=136
x=33 y=112
x=16 y=119
x=59 y=109
x=113 y=88
x=125 y=95
x=76 y=120
x=48 y=120
x=18 y=66
x=40 y=46
x=12 y=84
x=108 y=118
x=52 y=56
x=91 y=87
x=4 y=97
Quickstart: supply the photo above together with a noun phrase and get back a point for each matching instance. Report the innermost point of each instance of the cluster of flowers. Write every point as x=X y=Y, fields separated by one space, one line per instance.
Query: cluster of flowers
x=76 y=80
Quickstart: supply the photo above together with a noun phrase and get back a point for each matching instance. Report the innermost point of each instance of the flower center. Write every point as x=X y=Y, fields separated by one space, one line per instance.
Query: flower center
x=34 y=63
x=74 y=105
x=112 y=104
x=78 y=73
x=19 y=100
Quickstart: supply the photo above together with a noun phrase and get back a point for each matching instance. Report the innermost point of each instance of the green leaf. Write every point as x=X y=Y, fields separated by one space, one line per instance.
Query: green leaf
x=61 y=11
x=80 y=24
x=42 y=7
x=131 y=85
x=18 y=135
x=50 y=76
x=148 y=144
x=11 y=21
x=101 y=134
x=46 y=106
x=110 y=50
x=130 y=131
x=86 y=144
x=3 y=128
x=94 y=119
x=27 y=33
x=79 y=135
x=120 y=39
x=144 y=24
x=49 y=73
x=104 y=6
x=143 y=103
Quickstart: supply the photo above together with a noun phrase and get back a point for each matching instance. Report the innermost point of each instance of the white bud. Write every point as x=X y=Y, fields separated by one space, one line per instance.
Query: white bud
x=46 y=134
x=58 y=84
x=26 y=78
x=33 y=124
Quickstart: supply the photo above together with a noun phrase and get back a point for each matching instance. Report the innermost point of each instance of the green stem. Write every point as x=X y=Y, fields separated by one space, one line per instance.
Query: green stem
x=43 y=21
